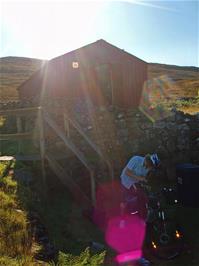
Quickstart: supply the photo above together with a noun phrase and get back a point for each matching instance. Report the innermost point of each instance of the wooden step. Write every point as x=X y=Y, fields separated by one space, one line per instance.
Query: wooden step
x=7 y=158
x=37 y=157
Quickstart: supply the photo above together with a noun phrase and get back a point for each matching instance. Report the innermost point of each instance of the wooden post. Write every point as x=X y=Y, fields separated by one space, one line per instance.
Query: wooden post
x=110 y=168
x=42 y=145
x=112 y=88
x=19 y=130
x=92 y=180
x=66 y=126
x=26 y=124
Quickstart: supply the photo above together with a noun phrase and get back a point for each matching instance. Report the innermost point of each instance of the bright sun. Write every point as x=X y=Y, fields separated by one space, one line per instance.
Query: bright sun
x=64 y=26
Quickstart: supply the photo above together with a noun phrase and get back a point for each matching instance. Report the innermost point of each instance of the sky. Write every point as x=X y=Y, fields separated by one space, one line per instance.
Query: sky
x=155 y=31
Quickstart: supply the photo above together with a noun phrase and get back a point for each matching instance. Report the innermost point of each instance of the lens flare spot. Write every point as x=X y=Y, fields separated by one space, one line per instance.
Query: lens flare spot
x=177 y=234
x=128 y=237
x=129 y=256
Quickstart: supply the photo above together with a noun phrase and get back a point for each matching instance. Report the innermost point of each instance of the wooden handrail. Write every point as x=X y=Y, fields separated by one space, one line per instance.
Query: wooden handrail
x=79 y=129
x=67 y=141
x=20 y=111
x=91 y=143
x=16 y=136
x=69 y=144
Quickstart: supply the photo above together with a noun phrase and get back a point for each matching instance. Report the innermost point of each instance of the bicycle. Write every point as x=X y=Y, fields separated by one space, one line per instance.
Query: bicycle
x=164 y=237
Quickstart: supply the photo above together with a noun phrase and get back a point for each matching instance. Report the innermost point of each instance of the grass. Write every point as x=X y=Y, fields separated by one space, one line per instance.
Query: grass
x=6 y=202
x=15 y=238
x=186 y=105
x=189 y=105
x=187 y=102
x=190 y=110
x=2 y=121
x=71 y=233
x=19 y=261
x=3 y=167
x=68 y=230
x=85 y=258
x=162 y=108
x=14 y=233
x=182 y=81
x=9 y=185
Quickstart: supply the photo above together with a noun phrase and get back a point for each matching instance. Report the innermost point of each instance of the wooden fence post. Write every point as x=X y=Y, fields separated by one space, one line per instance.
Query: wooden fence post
x=42 y=144
x=19 y=130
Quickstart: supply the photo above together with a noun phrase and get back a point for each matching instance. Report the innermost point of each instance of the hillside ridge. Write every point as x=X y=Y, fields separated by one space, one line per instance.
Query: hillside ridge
x=16 y=70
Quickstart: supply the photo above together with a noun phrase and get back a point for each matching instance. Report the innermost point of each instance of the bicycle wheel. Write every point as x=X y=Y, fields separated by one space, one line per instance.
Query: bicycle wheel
x=166 y=240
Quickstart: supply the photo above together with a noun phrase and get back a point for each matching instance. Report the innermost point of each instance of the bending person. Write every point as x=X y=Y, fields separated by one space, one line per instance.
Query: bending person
x=132 y=175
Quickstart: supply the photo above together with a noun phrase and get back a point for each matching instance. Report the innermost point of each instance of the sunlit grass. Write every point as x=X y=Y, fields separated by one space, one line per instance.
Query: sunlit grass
x=6 y=201
x=189 y=105
x=2 y=120
x=190 y=110
x=15 y=238
x=19 y=261
x=14 y=233
x=84 y=257
x=8 y=185
x=3 y=167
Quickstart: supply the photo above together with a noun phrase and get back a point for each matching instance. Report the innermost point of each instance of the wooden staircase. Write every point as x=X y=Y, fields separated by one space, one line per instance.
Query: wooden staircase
x=44 y=118
x=69 y=145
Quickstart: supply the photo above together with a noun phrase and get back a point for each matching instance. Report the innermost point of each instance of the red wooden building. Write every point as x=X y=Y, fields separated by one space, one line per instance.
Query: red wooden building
x=99 y=72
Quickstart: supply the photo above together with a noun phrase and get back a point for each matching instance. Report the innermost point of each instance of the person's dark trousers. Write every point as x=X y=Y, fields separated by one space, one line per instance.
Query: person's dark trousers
x=136 y=200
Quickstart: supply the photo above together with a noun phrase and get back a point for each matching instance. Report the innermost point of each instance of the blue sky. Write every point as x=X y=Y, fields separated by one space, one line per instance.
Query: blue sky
x=156 y=31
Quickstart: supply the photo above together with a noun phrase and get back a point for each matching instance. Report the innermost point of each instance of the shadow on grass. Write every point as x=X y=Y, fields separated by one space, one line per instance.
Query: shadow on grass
x=62 y=220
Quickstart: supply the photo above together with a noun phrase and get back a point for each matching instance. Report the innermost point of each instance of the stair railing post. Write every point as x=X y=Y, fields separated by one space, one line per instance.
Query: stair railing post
x=110 y=169
x=42 y=144
x=93 y=194
x=19 y=130
x=66 y=125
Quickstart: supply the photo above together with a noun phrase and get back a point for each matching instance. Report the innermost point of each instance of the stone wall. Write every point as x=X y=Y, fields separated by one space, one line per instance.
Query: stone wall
x=121 y=134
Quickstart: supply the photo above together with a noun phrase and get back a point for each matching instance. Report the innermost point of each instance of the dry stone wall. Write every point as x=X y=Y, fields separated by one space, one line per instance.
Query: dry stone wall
x=175 y=134
x=121 y=134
